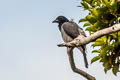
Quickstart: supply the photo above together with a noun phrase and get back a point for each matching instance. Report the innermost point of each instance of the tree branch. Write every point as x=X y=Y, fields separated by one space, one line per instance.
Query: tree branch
x=118 y=0
x=81 y=40
x=76 y=70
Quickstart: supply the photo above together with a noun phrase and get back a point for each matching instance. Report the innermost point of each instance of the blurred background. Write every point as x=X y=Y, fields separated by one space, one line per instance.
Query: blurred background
x=28 y=42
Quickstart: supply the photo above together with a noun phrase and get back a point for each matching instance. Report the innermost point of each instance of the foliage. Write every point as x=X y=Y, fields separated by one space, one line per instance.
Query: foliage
x=103 y=14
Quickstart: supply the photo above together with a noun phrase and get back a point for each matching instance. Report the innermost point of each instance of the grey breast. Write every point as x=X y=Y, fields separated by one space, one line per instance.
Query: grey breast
x=65 y=37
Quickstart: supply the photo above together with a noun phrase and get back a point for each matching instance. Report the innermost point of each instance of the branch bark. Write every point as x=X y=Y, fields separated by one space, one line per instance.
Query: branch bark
x=118 y=0
x=76 y=70
x=81 y=40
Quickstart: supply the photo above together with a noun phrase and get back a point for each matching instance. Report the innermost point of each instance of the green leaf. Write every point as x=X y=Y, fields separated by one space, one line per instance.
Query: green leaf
x=118 y=18
x=96 y=51
x=105 y=2
x=96 y=12
x=91 y=19
x=109 y=40
x=113 y=5
x=98 y=2
x=90 y=29
x=103 y=9
x=105 y=70
x=95 y=59
x=102 y=39
x=115 y=69
x=96 y=25
x=103 y=52
x=85 y=5
x=89 y=1
x=118 y=33
x=113 y=35
x=82 y=20
x=87 y=24
x=94 y=3
x=107 y=66
x=97 y=43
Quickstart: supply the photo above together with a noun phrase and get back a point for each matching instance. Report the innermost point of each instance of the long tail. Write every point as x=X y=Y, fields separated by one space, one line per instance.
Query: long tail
x=82 y=49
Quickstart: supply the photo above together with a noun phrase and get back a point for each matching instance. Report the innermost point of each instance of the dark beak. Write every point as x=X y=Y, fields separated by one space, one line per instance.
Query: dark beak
x=55 y=21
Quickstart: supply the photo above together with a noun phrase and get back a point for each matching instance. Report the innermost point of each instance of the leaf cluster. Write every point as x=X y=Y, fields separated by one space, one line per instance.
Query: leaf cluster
x=103 y=14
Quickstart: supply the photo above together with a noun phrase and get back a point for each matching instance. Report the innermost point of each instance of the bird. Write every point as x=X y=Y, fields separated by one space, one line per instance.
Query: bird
x=69 y=31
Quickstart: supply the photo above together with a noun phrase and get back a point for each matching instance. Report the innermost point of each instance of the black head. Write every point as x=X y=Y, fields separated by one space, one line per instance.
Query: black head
x=60 y=20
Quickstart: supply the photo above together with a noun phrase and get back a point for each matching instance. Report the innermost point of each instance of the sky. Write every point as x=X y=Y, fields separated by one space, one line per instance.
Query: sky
x=28 y=42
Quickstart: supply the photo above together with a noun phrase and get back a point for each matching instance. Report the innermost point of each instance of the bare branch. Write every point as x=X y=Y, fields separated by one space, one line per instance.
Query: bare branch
x=76 y=70
x=81 y=40
x=118 y=0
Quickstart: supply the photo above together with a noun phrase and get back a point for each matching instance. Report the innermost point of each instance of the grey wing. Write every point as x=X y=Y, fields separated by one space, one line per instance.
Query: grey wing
x=81 y=32
x=65 y=36
x=71 y=29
